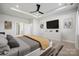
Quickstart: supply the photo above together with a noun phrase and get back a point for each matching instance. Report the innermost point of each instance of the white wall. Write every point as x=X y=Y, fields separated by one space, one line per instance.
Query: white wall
x=14 y=21
x=78 y=21
x=49 y=33
x=77 y=29
x=28 y=29
x=35 y=27
x=63 y=34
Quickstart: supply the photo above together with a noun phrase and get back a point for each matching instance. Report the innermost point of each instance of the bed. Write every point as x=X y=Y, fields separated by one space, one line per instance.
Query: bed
x=32 y=47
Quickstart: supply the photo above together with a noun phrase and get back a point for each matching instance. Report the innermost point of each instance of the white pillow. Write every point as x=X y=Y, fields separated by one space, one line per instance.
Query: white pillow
x=3 y=40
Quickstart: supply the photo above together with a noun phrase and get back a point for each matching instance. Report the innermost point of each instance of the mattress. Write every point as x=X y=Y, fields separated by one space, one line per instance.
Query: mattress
x=27 y=45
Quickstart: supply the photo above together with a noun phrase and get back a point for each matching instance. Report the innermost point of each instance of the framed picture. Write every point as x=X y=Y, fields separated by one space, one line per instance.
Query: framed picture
x=68 y=23
x=41 y=26
x=8 y=25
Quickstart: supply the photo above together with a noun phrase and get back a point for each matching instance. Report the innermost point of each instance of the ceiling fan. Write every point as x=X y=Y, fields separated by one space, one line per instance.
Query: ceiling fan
x=37 y=10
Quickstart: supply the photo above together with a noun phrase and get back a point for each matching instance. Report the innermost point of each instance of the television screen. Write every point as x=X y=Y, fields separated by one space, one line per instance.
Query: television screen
x=54 y=24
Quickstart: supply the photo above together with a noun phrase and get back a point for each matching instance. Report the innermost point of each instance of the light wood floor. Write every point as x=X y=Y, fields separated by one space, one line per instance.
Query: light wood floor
x=68 y=49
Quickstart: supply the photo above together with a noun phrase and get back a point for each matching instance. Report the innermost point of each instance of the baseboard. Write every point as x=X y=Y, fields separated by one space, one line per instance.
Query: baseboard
x=69 y=41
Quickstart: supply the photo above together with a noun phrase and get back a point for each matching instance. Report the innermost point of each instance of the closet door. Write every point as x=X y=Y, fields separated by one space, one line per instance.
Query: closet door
x=17 y=29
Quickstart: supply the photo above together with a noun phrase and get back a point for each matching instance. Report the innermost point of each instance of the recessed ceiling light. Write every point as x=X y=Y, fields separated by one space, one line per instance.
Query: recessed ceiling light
x=17 y=6
x=60 y=4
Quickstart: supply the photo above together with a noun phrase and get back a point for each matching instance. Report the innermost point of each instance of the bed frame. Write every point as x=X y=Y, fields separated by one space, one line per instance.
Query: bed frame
x=39 y=51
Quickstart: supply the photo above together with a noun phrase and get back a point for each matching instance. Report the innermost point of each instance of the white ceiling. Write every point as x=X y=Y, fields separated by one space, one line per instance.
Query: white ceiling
x=5 y=8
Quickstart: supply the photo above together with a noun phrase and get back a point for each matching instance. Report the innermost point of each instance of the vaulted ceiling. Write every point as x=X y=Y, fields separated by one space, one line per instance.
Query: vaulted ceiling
x=23 y=9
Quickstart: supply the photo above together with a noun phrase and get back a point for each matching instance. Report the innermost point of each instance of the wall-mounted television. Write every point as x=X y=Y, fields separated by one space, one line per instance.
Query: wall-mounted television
x=54 y=24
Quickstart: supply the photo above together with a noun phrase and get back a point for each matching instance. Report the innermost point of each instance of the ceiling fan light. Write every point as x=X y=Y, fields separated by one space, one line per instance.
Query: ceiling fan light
x=37 y=14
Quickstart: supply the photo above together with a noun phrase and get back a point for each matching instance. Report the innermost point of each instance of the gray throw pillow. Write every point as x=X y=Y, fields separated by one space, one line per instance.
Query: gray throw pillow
x=12 y=41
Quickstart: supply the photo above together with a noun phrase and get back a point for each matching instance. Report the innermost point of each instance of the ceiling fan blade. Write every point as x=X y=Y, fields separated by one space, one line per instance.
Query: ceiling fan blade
x=41 y=12
x=38 y=7
x=37 y=10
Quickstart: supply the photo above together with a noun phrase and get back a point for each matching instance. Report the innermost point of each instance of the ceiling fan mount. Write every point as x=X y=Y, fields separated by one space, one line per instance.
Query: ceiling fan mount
x=37 y=10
